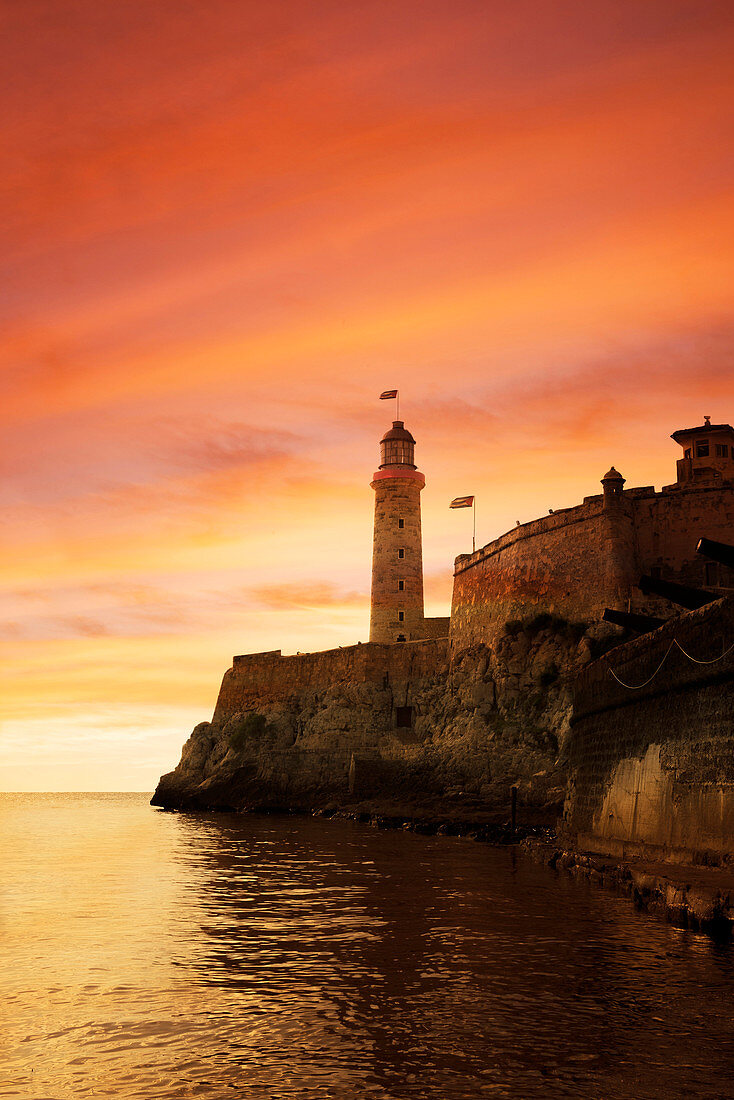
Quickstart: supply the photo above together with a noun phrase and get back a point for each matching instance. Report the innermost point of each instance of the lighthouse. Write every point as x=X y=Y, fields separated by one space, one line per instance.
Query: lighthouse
x=396 y=609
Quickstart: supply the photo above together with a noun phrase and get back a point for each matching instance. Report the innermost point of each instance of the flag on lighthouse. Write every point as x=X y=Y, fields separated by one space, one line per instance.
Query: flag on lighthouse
x=386 y=395
x=461 y=502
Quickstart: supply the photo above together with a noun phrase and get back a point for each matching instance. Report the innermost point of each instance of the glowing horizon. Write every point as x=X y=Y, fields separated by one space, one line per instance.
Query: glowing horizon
x=229 y=228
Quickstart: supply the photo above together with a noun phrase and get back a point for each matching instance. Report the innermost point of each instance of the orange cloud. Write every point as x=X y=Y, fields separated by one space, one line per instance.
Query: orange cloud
x=227 y=228
x=315 y=595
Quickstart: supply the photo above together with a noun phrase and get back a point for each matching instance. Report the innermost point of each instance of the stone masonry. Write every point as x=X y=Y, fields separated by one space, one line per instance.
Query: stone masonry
x=397 y=560
x=651 y=759
x=577 y=561
x=396 y=608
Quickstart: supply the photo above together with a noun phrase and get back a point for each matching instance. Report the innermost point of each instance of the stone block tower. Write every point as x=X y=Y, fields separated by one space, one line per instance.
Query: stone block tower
x=621 y=568
x=396 y=610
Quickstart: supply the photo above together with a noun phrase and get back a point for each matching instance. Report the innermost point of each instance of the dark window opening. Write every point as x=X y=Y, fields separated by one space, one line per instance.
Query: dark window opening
x=401 y=523
x=401 y=553
x=687 y=453
x=702 y=449
x=401 y=586
x=401 y=616
x=400 y=638
x=656 y=572
x=712 y=574
x=404 y=717
x=722 y=450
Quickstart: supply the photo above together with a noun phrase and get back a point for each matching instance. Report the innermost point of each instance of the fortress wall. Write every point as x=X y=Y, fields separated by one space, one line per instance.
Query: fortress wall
x=669 y=524
x=260 y=679
x=557 y=564
x=436 y=627
x=576 y=562
x=652 y=769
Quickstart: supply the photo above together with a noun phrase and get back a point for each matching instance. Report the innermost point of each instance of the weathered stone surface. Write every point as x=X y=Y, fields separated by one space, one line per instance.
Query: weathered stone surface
x=397 y=557
x=579 y=560
x=651 y=759
x=482 y=721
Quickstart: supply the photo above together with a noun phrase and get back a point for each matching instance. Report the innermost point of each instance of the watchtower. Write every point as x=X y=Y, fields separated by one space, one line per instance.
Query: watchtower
x=396 y=610
x=613 y=486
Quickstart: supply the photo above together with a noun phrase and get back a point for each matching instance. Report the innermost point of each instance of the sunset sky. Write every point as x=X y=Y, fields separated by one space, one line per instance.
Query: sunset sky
x=227 y=225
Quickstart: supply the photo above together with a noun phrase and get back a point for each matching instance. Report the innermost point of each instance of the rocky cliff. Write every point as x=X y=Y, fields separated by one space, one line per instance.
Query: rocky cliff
x=403 y=728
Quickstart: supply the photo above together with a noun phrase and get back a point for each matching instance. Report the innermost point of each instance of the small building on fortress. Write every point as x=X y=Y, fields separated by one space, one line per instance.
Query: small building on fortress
x=577 y=561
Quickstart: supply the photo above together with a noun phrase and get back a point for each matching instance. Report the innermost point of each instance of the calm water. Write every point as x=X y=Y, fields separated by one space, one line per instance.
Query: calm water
x=147 y=954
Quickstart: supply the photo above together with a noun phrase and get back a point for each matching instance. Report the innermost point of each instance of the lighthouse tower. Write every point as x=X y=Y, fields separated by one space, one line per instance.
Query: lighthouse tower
x=396 y=610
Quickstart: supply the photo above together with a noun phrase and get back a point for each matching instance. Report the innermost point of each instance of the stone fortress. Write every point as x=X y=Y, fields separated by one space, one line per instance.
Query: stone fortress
x=577 y=561
x=443 y=715
x=573 y=563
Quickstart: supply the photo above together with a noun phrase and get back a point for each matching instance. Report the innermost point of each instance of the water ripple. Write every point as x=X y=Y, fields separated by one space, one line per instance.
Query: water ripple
x=159 y=955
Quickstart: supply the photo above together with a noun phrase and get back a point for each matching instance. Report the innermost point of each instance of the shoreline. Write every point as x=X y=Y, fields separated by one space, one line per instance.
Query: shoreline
x=686 y=895
x=485 y=826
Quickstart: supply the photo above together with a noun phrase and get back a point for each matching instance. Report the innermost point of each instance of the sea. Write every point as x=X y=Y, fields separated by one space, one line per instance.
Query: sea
x=161 y=955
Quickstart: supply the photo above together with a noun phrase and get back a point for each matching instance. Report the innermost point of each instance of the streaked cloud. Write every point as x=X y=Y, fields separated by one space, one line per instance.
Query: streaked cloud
x=315 y=595
x=226 y=227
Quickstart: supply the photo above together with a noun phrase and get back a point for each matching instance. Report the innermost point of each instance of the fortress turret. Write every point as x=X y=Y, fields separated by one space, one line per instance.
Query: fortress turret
x=396 y=613
x=613 y=486
x=620 y=560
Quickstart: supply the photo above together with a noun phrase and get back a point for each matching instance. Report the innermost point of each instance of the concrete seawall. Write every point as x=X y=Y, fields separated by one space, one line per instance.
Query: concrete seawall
x=651 y=759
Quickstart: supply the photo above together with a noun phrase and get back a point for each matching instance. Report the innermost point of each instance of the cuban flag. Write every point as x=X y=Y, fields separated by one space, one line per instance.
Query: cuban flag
x=387 y=395
x=461 y=502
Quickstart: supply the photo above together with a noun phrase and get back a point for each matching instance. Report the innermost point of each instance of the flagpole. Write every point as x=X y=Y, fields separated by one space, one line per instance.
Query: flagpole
x=397 y=394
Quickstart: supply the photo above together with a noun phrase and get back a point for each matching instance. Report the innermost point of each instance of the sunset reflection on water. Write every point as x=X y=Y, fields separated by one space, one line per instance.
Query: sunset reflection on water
x=160 y=955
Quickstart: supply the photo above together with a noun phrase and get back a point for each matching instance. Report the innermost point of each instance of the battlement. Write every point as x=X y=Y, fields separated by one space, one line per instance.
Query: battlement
x=563 y=517
x=576 y=561
x=578 y=513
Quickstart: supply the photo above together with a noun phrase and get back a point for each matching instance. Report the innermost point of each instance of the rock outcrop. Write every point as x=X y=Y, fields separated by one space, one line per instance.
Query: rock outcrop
x=430 y=732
